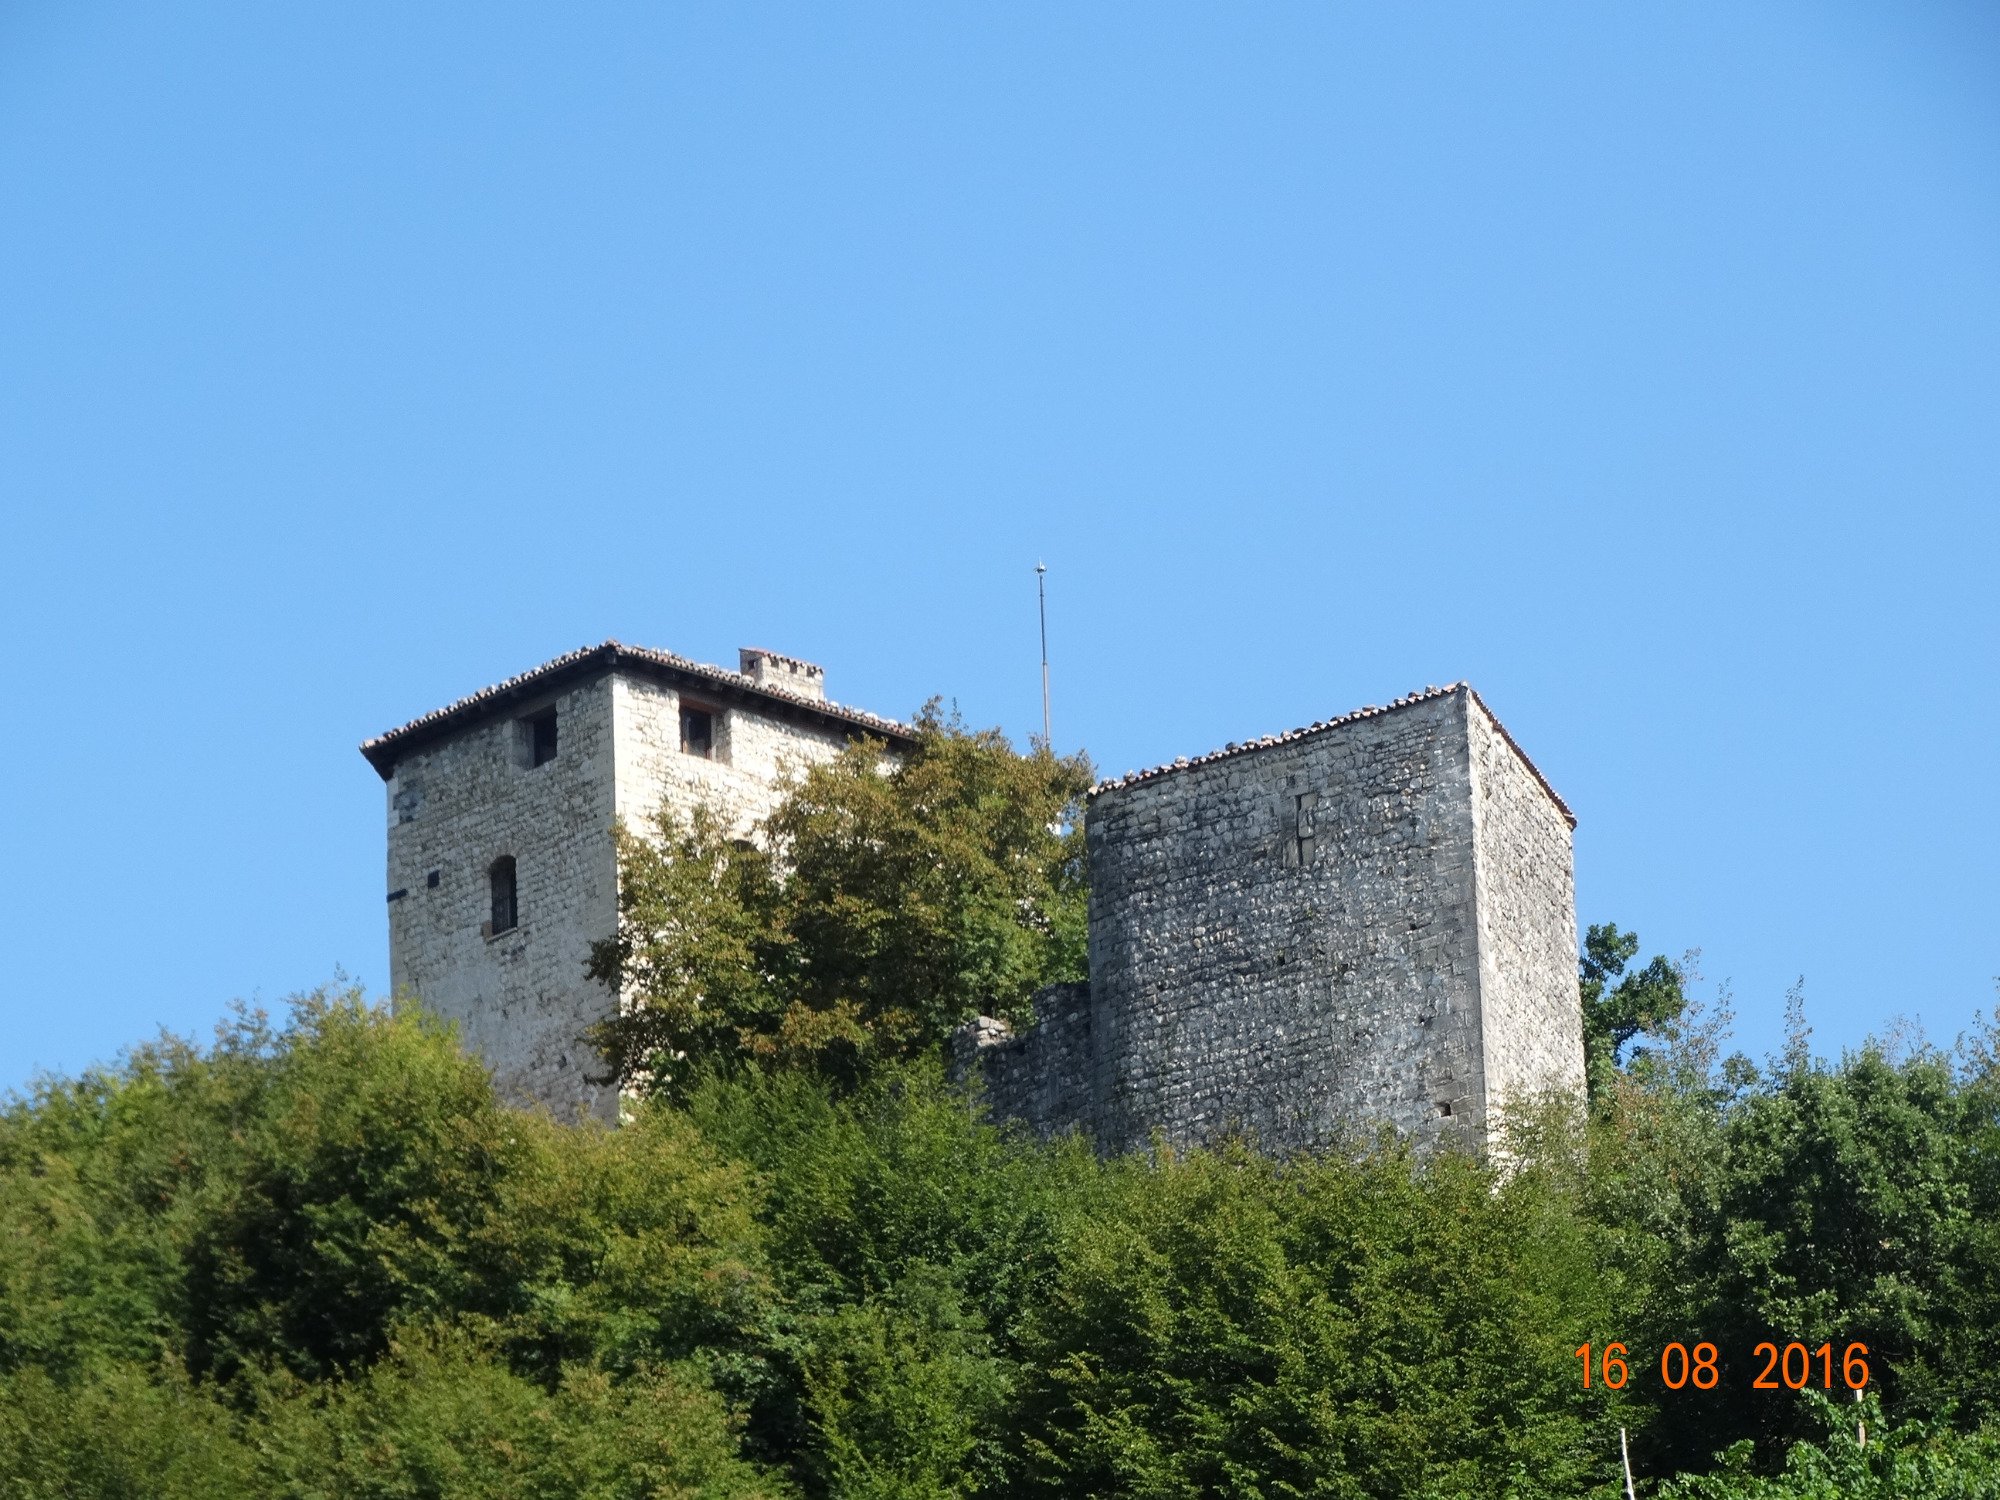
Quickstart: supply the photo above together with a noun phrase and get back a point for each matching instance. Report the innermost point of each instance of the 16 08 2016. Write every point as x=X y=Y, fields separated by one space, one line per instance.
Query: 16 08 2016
x=1790 y=1367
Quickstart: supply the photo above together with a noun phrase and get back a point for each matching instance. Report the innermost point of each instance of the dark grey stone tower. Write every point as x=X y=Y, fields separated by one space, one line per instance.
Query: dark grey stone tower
x=1368 y=920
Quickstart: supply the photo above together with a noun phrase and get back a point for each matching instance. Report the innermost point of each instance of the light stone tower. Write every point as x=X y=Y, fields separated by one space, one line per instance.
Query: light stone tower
x=502 y=867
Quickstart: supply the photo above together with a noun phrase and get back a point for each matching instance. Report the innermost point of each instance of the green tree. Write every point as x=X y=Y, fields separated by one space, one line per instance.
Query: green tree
x=362 y=1156
x=905 y=1395
x=321 y=1259
x=1221 y=1324
x=899 y=897
x=1817 y=1203
x=1619 y=1007
x=1910 y=1461
x=444 y=1415
x=122 y=1430
x=907 y=1239
x=1979 y=1257
x=1844 y=1215
x=621 y=1250
x=286 y=1194
x=701 y=960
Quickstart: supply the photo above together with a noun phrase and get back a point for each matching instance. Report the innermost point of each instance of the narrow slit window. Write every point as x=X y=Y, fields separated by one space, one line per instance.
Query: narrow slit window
x=698 y=733
x=542 y=738
x=506 y=911
x=1304 y=829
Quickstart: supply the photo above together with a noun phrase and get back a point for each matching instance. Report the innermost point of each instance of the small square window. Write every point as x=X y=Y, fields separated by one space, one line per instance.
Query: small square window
x=542 y=738
x=698 y=732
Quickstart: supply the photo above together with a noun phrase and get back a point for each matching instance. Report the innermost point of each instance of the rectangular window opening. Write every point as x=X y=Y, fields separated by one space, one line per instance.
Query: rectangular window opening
x=505 y=912
x=698 y=732
x=542 y=738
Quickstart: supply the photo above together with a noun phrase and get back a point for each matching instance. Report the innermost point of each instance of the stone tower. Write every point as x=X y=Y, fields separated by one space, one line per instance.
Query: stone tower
x=1370 y=920
x=502 y=868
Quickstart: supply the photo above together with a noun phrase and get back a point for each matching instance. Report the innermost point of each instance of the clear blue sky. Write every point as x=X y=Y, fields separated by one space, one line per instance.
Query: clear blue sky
x=1640 y=363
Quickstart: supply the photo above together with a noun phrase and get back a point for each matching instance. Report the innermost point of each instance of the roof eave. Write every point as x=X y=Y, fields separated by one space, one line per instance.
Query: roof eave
x=1525 y=759
x=386 y=751
x=1292 y=736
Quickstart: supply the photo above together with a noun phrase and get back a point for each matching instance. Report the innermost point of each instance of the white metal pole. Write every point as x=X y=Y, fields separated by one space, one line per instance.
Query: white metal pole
x=1042 y=609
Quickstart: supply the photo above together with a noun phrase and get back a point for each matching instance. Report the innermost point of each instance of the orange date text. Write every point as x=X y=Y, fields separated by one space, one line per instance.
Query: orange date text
x=1790 y=1367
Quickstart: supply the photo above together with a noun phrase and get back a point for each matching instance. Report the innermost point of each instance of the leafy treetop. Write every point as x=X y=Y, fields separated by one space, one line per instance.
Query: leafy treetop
x=884 y=902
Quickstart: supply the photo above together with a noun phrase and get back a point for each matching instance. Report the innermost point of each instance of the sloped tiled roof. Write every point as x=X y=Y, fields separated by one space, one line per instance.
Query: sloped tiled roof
x=385 y=750
x=1248 y=747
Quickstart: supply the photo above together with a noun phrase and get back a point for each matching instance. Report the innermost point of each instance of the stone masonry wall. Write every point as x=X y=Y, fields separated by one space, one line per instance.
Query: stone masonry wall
x=1040 y=1079
x=1284 y=941
x=520 y=998
x=1531 y=1015
x=752 y=752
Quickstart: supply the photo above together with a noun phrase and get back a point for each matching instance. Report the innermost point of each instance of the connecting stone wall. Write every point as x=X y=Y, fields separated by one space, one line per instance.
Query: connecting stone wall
x=1367 y=923
x=1041 y=1079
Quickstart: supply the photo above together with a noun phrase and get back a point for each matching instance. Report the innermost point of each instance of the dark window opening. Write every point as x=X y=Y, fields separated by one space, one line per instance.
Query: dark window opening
x=542 y=738
x=505 y=911
x=698 y=733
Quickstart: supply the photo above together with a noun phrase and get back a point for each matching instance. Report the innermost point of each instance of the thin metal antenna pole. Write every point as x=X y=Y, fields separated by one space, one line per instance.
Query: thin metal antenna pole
x=1042 y=608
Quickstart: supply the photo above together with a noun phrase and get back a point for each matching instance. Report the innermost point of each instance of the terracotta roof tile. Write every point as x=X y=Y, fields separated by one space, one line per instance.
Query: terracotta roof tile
x=385 y=749
x=1246 y=747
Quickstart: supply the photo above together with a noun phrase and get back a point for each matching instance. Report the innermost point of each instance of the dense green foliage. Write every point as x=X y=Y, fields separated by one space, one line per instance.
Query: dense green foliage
x=1859 y=1461
x=884 y=903
x=1809 y=1203
x=321 y=1261
x=324 y=1261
